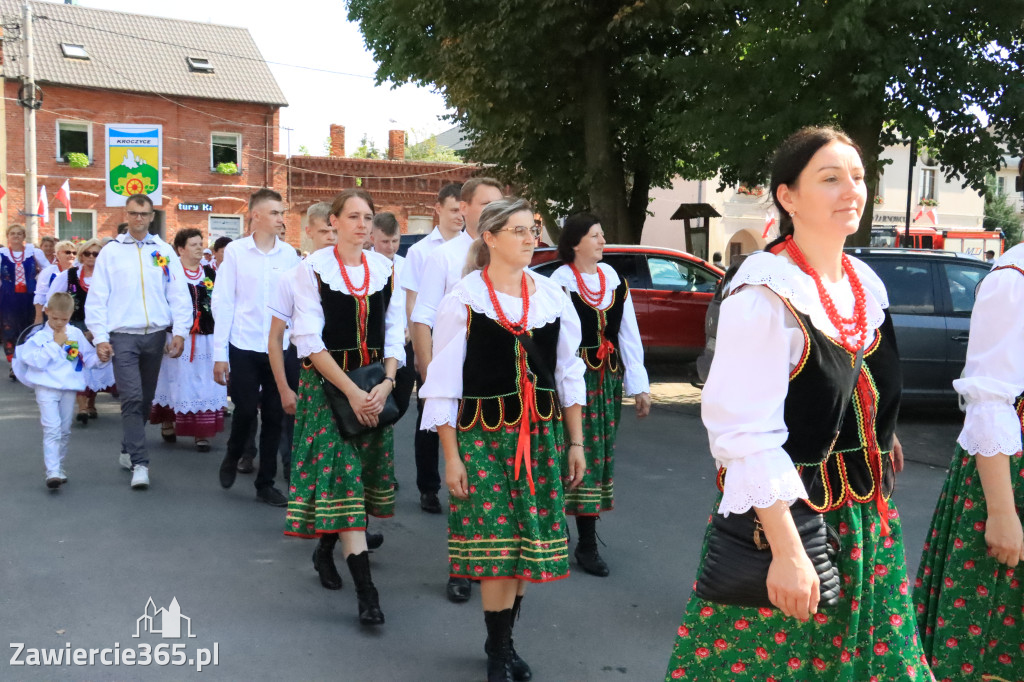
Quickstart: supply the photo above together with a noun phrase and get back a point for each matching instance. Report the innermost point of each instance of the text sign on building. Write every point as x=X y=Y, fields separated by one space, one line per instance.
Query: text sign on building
x=195 y=207
x=134 y=159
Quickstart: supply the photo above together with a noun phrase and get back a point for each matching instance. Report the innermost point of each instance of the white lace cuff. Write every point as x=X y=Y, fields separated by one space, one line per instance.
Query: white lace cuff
x=439 y=412
x=307 y=344
x=990 y=428
x=760 y=480
x=634 y=380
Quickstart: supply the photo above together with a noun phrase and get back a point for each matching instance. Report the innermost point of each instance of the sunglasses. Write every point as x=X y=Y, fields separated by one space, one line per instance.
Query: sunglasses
x=68 y=253
x=90 y=254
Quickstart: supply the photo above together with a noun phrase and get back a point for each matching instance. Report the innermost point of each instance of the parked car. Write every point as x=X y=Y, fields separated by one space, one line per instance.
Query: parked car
x=931 y=295
x=670 y=289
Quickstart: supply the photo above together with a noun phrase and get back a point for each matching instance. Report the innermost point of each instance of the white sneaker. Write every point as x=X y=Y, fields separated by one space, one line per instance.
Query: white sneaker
x=140 y=477
x=125 y=460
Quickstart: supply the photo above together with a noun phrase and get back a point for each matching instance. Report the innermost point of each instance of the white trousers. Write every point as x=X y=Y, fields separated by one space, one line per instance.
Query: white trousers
x=56 y=411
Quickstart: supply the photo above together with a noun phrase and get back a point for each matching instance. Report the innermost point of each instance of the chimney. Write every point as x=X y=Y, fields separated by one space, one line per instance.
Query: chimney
x=396 y=145
x=337 y=140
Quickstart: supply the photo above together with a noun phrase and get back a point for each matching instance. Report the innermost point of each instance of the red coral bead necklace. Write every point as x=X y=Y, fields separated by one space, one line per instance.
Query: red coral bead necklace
x=516 y=328
x=590 y=297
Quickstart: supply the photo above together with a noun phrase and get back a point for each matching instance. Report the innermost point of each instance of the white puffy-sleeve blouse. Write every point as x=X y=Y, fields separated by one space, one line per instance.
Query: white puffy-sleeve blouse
x=758 y=343
x=631 y=349
x=443 y=387
x=308 y=320
x=994 y=374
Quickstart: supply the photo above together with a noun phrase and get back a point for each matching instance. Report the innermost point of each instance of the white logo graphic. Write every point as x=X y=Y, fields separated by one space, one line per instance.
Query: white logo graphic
x=164 y=622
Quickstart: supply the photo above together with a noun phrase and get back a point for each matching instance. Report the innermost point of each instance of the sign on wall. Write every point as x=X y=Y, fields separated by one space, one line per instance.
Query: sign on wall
x=134 y=159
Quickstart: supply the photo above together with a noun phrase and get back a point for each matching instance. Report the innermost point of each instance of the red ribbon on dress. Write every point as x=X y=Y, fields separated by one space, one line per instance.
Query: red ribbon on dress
x=193 y=332
x=867 y=403
x=604 y=351
x=527 y=421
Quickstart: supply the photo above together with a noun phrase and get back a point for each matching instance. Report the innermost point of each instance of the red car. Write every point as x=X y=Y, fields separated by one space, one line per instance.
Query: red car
x=671 y=291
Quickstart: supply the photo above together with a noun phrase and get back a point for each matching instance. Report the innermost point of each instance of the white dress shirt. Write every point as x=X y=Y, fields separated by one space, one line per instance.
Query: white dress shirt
x=994 y=373
x=758 y=343
x=442 y=272
x=246 y=280
x=41 y=363
x=443 y=387
x=43 y=282
x=308 y=320
x=417 y=257
x=630 y=347
x=131 y=294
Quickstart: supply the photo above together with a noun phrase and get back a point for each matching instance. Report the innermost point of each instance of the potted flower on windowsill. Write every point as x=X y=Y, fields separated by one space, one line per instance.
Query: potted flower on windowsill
x=227 y=168
x=879 y=200
x=927 y=203
x=76 y=160
x=755 y=191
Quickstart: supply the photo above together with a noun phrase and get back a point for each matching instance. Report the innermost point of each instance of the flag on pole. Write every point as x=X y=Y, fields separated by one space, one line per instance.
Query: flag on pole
x=3 y=192
x=43 y=207
x=933 y=215
x=769 y=223
x=64 y=197
x=920 y=212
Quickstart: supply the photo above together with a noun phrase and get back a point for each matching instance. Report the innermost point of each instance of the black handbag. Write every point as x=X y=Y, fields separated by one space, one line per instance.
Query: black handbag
x=735 y=569
x=366 y=378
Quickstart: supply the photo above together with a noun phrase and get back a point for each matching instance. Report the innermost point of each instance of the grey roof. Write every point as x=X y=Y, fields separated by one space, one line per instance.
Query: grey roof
x=138 y=53
x=454 y=139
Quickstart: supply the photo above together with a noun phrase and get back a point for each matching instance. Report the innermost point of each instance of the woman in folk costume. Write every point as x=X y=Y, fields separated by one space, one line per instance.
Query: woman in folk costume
x=800 y=407
x=969 y=596
x=614 y=355
x=188 y=402
x=504 y=375
x=64 y=257
x=20 y=263
x=75 y=281
x=345 y=318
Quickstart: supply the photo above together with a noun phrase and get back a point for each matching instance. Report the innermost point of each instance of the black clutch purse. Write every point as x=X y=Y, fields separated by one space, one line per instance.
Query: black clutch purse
x=366 y=378
x=735 y=569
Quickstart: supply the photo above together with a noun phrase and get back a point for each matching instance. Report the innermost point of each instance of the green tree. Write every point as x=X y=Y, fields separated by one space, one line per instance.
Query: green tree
x=943 y=72
x=367 y=149
x=428 y=149
x=1000 y=214
x=568 y=99
x=303 y=150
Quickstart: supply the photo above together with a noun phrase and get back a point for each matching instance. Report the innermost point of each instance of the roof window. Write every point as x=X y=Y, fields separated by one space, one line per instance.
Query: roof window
x=199 y=64
x=72 y=51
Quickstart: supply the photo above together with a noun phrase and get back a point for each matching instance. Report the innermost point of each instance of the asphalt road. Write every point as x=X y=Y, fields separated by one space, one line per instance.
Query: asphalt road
x=77 y=567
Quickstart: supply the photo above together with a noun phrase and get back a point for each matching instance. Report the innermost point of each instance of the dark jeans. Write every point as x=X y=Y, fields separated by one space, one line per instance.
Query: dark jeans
x=426 y=444
x=291 y=373
x=252 y=387
x=137 y=359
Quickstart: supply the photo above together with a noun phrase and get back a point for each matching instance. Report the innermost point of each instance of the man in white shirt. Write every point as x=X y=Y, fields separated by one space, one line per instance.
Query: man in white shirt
x=442 y=272
x=133 y=299
x=426 y=445
x=246 y=279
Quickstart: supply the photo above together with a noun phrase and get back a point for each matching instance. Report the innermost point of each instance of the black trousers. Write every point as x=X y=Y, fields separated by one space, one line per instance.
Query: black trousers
x=426 y=443
x=252 y=387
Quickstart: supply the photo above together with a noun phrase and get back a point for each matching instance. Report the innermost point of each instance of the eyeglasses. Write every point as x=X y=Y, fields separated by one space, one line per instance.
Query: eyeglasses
x=520 y=231
x=90 y=254
x=69 y=253
x=139 y=214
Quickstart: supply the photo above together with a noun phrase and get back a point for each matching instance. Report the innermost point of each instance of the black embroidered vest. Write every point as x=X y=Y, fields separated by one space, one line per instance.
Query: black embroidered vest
x=341 y=324
x=597 y=322
x=202 y=314
x=490 y=373
x=78 y=292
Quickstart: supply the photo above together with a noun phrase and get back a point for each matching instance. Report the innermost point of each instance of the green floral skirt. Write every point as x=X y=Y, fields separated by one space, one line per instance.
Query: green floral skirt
x=335 y=482
x=869 y=636
x=600 y=426
x=970 y=606
x=502 y=530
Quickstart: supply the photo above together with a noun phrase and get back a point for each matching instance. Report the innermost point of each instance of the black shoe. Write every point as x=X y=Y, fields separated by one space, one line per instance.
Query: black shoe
x=228 y=470
x=590 y=560
x=429 y=503
x=323 y=562
x=245 y=465
x=520 y=668
x=459 y=590
x=499 y=645
x=374 y=540
x=82 y=418
x=396 y=485
x=272 y=496
x=366 y=593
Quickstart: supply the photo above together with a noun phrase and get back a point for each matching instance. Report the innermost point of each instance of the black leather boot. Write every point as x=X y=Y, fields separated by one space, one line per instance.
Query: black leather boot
x=499 y=645
x=366 y=593
x=586 y=547
x=323 y=562
x=520 y=669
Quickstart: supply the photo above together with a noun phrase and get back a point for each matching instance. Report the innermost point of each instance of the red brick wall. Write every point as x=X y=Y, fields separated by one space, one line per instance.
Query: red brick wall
x=187 y=178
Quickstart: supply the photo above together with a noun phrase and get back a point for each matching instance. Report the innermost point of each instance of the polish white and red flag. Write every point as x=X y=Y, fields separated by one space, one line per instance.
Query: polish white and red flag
x=63 y=196
x=43 y=207
x=918 y=215
x=933 y=215
x=769 y=223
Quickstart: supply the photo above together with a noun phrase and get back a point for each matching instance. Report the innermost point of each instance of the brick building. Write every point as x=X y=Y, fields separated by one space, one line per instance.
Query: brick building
x=206 y=85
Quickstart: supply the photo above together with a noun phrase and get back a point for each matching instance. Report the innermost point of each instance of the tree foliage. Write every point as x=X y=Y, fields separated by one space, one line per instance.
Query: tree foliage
x=428 y=149
x=367 y=149
x=1000 y=214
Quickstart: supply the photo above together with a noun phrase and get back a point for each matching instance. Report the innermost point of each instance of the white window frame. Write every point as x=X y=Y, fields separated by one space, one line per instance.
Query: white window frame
x=934 y=171
x=88 y=132
x=238 y=148
x=238 y=216
x=59 y=210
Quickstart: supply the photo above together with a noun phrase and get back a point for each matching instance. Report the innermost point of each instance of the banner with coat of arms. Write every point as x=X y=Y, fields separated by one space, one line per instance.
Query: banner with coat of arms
x=134 y=160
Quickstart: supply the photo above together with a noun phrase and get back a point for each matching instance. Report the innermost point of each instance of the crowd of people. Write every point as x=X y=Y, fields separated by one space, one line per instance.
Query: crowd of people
x=520 y=384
